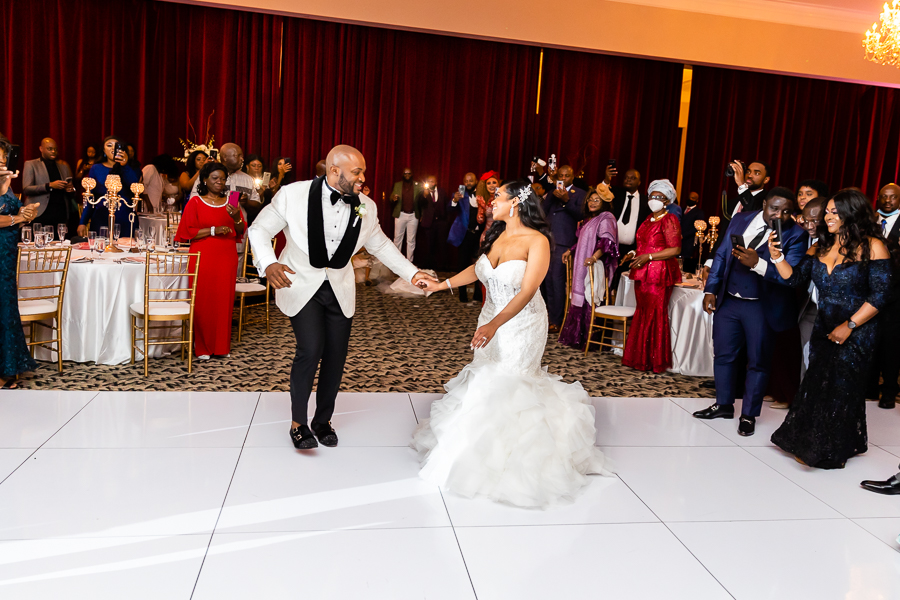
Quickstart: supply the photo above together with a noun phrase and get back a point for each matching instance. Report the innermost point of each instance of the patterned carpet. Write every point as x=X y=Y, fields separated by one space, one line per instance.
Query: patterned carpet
x=398 y=345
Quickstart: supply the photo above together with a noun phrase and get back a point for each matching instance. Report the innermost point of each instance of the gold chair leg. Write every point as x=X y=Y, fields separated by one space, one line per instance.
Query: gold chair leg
x=133 y=340
x=587 y=343
x=146 y=358
x=183 y=336
x=190 y=350
x=240 y=319
x=267 y=313
x=59 y=343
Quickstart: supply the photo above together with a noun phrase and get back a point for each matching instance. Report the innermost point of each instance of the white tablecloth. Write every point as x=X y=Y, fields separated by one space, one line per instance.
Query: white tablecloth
x=154 y=225
x=691 y=328
x=96 y=323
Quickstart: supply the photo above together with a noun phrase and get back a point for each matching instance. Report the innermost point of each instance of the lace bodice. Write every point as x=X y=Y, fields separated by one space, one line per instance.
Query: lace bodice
x=519 y=343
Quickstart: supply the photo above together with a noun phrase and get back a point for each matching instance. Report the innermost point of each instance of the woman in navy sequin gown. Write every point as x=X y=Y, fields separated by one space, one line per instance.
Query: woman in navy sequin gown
x=15 y=358
x=853 y=273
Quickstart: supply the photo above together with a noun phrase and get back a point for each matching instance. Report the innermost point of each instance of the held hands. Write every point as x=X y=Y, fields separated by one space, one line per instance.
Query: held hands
x=746 y=256
x=840 y=334
x=429 y=285
x=483 y=336
x=28 y=212
x=709 y=303
x=422 y=279
x=276 y=274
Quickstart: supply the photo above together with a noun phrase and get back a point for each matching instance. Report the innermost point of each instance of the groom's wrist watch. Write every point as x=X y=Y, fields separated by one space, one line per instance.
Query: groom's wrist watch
x=851 y=325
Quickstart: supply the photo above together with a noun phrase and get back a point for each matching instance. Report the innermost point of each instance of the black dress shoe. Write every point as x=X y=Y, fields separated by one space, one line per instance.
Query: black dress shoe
x=891 y=487
x=886 y=403
x=716 y=411
x=747 y=426
x=326 y=434
x=709 y=384
x=303 y=438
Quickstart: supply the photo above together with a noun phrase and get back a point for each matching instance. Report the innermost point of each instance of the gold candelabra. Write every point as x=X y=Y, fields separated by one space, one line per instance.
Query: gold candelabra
x=111 y=199
x=137 y=189
x=883 y=46
x=706 y=235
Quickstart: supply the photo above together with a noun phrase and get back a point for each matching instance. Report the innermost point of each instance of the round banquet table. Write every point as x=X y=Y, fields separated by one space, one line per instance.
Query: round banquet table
x=691 y=328
x=96 y=321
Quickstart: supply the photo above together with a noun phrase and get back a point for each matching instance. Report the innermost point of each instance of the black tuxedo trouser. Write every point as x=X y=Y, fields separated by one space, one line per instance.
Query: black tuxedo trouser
x=323 y=334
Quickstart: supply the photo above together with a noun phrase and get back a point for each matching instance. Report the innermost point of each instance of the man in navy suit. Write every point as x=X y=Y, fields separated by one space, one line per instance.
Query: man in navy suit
x=751 y=303
x=564 y=207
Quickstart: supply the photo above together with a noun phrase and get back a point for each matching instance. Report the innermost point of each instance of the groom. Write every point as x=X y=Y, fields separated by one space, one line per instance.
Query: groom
x=326 y=222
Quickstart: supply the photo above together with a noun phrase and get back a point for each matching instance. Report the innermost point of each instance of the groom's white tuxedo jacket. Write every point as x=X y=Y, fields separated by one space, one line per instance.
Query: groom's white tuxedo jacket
x=290 y=212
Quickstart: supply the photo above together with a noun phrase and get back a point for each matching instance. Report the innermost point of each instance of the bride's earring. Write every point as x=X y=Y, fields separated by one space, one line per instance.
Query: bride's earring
x=512 y=210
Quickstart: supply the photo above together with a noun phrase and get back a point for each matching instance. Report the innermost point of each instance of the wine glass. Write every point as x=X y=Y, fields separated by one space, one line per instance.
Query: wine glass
x=63 y=229
x=26 y=234
x=117 y=233
x=92 y=241
x=140 y=239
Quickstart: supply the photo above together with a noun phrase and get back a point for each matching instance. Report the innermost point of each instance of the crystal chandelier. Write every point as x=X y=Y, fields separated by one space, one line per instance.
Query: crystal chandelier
x=883 y=46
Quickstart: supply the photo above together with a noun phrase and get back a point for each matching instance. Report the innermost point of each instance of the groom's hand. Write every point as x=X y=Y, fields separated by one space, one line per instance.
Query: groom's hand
x=276 y=274
x=422 y=277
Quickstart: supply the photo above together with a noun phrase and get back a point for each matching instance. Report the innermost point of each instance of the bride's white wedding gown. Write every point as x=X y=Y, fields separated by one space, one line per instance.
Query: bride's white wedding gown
x=506 y=429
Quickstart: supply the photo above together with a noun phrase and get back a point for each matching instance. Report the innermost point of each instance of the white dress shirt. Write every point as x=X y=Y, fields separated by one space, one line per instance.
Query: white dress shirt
x=336 y=218
x=887 y=222
x=627 y=232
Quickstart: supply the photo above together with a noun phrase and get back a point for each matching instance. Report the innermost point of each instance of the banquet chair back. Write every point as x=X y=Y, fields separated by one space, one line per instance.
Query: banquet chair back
x=570 y=270
x=170 y=285
x=609 y=319
x=244 y=289
x=47 y=270
x=173 y=220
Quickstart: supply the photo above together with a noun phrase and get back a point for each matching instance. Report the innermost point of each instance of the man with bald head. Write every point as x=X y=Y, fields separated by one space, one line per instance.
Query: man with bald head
x=564 y=207
x=47 y=183
x=325 y=221
x=886 y=360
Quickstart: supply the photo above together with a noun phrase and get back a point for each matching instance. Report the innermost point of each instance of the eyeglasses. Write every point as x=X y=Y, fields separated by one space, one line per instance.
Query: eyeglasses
x=655 y=197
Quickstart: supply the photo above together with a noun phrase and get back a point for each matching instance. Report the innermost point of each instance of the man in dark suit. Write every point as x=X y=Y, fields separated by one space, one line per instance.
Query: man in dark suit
x=751 y=181
x=564 y=207
x=692 y=213
x=886 y=360
x=630 y=208
x=430 y=245
x=751 y=303
x=47 y=182
x=465 y=231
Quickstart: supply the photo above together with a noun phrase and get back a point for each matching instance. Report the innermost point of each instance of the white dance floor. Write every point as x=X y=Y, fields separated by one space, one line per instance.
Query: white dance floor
x=201 y=495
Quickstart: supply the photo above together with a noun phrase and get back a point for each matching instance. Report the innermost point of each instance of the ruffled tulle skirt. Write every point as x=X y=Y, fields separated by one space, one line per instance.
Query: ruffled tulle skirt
x=514 y=438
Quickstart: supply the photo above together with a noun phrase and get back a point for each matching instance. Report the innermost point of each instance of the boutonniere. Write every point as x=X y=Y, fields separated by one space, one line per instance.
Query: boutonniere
x=360 y=211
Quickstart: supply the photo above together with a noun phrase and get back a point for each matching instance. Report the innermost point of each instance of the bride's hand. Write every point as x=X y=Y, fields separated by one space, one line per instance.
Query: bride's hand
x=432 y=286
x=483 y=336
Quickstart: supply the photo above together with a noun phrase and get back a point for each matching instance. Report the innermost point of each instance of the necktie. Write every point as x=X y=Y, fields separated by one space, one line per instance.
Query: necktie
x=626 y=212
x=759 y=237
x=883 y=226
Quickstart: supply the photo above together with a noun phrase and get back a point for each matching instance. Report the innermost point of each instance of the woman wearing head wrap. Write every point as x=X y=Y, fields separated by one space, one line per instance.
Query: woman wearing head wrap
x=598 y=242
x=655 y=272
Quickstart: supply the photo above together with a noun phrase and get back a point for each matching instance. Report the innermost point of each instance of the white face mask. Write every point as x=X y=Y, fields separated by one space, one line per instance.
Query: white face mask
x=655 y=205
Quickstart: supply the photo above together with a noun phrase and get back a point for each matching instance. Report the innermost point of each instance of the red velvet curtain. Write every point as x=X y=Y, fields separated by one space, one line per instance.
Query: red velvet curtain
x=844 y=134
x=596 y=107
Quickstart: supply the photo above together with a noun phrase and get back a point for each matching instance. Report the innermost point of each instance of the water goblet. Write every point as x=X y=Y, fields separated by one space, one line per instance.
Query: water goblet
x=63 y=229
x=26 y=234
x=49 y=231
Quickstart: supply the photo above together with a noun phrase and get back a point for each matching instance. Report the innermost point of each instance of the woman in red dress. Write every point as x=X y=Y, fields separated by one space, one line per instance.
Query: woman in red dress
x=654 y=270
x=212 y=226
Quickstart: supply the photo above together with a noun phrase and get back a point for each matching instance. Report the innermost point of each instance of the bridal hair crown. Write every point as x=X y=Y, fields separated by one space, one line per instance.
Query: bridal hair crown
x=524 y=193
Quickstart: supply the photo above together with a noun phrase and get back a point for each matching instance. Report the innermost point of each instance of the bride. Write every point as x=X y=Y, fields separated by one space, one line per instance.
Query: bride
x=506 y=429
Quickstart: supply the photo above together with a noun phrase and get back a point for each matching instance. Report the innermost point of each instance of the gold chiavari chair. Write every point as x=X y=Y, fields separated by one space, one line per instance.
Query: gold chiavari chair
x=175 y=278
x=47 y=269
x=604 y=313
x=248 y=290
x=570 y=262
x=173 y=220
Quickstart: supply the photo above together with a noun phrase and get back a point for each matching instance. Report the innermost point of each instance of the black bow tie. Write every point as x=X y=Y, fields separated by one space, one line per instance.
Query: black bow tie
x=336 y=195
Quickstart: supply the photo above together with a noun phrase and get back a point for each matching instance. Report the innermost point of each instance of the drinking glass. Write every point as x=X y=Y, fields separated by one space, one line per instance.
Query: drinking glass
x=103 y=232
x=101 y=244
x=151 y=243
x=48 y=234
x=92 y=241
x=140 y=239
x=63 y=229
x=26 y=234
x=39 y=239
x=117 y=233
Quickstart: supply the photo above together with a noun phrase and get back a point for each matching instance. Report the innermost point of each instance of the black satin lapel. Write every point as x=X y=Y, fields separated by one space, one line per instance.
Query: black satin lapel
x=348 y=244
x=315 y=225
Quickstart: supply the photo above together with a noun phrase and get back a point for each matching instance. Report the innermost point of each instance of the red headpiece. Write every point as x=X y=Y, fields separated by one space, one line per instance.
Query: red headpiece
x=490 y=174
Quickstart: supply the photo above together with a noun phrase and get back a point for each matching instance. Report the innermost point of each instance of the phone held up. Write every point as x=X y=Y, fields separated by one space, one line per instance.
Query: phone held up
x=12 y=160
x=611 y=163
x=234 y=198
x=214 y=155
x=778 y=236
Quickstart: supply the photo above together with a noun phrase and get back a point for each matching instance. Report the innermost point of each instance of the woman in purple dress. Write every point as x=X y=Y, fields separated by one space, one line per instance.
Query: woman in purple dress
x=598 y=240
